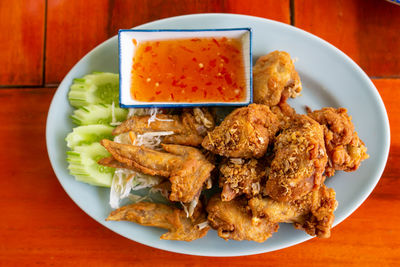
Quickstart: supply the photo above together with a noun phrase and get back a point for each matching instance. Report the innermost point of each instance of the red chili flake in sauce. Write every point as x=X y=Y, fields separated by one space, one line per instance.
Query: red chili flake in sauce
x=212 y=63
x=175 y=70
x=224 y=58
x=215 y=41
x=228 y=79
x=186 y=49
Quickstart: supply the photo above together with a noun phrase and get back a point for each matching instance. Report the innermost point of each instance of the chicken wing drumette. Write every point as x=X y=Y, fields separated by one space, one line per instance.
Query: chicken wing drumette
x=299 y=160
x=345 y=149
x=189 y=128
x=186 y=167
x=244 y=133
x=312 y=213
x=233 y=220
x=179 y=226
x=275 y=79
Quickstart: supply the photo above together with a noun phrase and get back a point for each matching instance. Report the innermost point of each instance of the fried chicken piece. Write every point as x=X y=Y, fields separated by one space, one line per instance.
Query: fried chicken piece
x=244 y=133
x=299 y=161
x=240 y=176
x=233 y=220
x=285 y=114
x=186 y=167
x=179 y=226
x=113 y=163
x=345 y=149
x=275 y=79
x=189 y=128
x=312 y=213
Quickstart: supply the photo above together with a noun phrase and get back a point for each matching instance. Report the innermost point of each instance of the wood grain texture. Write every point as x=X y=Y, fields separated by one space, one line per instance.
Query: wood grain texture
x=75 y=27
x=366 y=30
x=41 y=225
x=21 y=42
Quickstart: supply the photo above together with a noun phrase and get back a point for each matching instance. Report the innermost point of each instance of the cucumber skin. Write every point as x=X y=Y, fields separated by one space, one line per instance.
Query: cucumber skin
x=96 y=88
x=85 y=135
x=97 y=114
x=82 y=164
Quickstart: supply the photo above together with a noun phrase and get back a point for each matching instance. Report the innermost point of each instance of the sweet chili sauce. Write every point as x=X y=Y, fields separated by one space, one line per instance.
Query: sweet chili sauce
x=189 y=70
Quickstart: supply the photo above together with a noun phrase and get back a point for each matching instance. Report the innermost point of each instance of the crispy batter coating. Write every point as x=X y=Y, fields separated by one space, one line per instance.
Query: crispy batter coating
x=233 y=220
x=345 y=149
x=188 y=179
x=299 y=161
x=285 y=114
x=113 y=163
x=240 y=176
x=174 y=220
x=186 y=167
x=244 y=133
x=312 y=213
x=143 y=159
x=189 y=128
x=275 y=79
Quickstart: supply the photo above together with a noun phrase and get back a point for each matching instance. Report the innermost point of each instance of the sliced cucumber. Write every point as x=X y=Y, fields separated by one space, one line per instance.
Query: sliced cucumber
x=98 y=114
x=85 y=135
x=96 y=88
x=83 y=165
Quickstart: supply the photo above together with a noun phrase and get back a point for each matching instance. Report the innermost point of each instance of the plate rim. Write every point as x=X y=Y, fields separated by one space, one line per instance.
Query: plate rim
x=355 y=205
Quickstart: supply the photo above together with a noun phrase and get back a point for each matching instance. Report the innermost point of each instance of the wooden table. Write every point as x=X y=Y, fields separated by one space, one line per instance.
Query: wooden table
x=41 y=40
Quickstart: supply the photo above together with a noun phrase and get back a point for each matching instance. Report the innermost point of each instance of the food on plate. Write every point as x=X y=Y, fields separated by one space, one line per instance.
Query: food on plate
x=245 y=133
x=107 y=114
x=233 y=220
x=191 y=70
x=82 y=164
x=186 y=167
x=95 y=88
x=95 y=96
x=299 y=160
x=179 y=226
x=241 y=176
x=275 y=79
x=312 y=213
x=85 y=135
x=188 y=128
x=345 y=149
x=271 y=162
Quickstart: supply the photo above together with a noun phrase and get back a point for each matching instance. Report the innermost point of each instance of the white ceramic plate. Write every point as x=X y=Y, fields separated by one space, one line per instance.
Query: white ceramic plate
x=329 y=78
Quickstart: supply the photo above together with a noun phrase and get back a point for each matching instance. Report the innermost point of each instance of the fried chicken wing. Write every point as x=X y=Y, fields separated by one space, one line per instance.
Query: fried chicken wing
x=233 y=220
x=299 y=161
x=244 y=133
x=179 y=226
x=240 y=176
x=345 y=149
x=186 y=167
x=189 y=128
x=312 y=213
x=275 y=79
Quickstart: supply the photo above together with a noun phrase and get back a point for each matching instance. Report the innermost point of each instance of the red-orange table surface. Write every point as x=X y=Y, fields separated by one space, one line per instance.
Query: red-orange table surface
x=42 y=40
